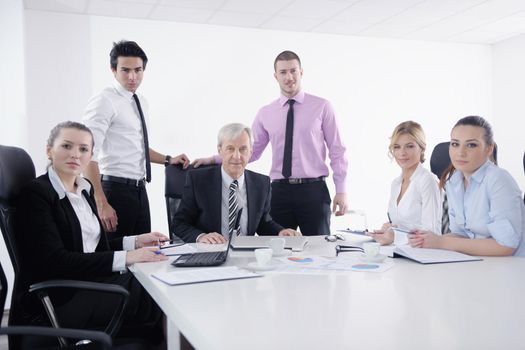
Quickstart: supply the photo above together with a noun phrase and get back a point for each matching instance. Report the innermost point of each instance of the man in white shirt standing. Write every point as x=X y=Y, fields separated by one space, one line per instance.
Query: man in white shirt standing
x=121 y=156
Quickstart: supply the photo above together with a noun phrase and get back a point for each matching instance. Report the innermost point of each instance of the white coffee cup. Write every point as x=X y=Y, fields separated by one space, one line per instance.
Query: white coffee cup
x=277 y=245
x=263 y=256
x=371 y=249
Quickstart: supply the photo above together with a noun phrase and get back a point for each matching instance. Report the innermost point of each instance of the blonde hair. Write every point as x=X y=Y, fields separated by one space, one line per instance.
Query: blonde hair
x=413 y=130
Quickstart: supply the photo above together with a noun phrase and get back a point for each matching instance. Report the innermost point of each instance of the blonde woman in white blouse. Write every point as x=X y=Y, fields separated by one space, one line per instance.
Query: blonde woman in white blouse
x=415 y=196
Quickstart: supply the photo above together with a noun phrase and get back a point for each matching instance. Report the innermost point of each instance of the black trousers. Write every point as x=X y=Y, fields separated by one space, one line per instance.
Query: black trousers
x=89 y=310
x=132 y=206
x=306 y=206
x=142 y=319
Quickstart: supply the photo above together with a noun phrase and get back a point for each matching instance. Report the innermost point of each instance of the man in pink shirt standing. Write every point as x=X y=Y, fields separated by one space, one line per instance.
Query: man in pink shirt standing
x=301 y=127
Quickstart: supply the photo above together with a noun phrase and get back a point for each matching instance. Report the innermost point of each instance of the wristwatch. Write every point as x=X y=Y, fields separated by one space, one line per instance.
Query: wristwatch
x=167 y=160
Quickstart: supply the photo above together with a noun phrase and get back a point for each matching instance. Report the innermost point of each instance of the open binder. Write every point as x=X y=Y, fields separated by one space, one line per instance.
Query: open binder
x=432 y=256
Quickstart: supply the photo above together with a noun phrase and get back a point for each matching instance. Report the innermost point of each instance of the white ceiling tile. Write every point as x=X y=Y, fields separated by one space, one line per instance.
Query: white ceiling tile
x=372 y=12
x=314 y=9
x=290 y=23
x=451 y=6
x=340 y=27
x=149 y=2
x=482 y=21
x=73 y=6
x=198 y=4
x=448 y=27
x=492 y=10
x=403 y=23
x=119 y=9
x=479 y=36
x=181 y=14
x=268 y=7
x=237 y=19
x=506 y=25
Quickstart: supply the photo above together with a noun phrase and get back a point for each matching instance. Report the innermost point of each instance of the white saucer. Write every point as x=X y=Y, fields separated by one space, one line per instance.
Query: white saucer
x=379 y=258
x=255 y=267
x=285 y=252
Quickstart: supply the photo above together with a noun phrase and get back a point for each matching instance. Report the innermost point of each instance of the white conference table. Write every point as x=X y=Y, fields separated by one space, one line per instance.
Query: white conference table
x=470 y=305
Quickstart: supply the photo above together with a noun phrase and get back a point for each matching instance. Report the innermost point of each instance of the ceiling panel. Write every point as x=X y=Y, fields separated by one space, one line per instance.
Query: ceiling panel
x=342 y=27
x=73 y=6
x=404 y=23
x=119 y=8
x=237 y=19
x=476 y=21
x=267 y=7
x=197 y=4
x=314 y=9
x=181 y=14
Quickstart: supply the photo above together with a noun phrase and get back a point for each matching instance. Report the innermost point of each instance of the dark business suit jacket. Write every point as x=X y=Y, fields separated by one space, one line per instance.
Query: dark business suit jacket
x=50 y=241
x=51 y=247
x=200 y=207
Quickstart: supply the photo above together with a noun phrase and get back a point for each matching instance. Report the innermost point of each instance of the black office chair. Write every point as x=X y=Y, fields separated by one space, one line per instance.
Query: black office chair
x=16 y=170
x=99 y=340
x=440 y=159
x=439 y=162
x=174 y=186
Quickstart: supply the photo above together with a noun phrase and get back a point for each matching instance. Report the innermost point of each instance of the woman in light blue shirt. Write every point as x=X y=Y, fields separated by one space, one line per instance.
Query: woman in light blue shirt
x=487 y=215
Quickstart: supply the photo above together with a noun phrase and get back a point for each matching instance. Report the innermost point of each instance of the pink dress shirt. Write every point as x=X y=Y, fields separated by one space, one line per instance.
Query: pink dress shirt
x=314 y=125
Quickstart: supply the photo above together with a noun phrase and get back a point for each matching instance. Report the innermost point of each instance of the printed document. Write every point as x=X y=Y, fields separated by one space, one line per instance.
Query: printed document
x=199 y=275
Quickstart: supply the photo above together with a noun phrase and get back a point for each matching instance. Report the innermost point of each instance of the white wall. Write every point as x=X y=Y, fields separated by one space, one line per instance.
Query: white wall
x=509 y=105
x=200 y=77
x=12 y=93
x=58 y=68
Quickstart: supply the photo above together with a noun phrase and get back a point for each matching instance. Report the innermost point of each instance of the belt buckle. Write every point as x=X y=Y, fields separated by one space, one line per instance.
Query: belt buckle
x=294 y=181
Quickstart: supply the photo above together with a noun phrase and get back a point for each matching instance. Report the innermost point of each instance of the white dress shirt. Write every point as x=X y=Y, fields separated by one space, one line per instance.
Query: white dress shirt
x=242 y=202
x=88 y=221
x=114 y=119
x=421 y=206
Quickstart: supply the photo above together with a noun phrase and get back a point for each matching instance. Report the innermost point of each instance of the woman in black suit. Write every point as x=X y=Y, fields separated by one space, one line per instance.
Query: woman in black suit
x=62 y=238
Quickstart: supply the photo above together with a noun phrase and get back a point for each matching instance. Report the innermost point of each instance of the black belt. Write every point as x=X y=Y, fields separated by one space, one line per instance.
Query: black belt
x=298 y=181
x=123 y=180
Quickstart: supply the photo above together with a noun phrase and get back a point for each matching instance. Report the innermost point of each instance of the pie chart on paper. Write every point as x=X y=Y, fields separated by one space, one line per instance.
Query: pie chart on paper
x=300 y=260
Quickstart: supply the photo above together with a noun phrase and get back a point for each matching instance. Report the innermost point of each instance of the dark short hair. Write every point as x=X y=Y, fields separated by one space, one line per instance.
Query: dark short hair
x=126 y=48
x=286 y=56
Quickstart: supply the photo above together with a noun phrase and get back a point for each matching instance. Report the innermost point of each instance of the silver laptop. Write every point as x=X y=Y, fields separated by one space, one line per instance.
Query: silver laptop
x=295 y=243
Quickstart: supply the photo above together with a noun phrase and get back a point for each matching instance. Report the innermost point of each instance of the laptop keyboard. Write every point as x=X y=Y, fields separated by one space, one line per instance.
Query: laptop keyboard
x=201 y=259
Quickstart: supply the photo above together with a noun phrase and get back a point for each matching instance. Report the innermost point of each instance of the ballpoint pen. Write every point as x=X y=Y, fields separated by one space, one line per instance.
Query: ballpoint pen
x=388 y=215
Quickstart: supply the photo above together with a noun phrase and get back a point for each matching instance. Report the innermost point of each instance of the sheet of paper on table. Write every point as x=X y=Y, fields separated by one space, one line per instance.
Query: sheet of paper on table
x=199 y=275
x=318 y=264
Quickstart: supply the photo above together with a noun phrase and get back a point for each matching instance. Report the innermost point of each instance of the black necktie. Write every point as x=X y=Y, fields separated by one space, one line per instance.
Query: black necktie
x=288 y=142
x=145 y=134
x=232 y=207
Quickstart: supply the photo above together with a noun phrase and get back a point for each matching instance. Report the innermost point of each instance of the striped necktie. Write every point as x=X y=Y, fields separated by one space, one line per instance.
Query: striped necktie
x=232 y=207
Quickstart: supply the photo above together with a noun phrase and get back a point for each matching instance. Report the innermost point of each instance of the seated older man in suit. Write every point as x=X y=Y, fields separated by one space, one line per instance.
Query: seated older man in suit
x=213 y=196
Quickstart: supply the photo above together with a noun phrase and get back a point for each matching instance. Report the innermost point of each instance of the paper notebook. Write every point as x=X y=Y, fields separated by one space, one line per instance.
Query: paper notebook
x=183 y=276
x=432 y=256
